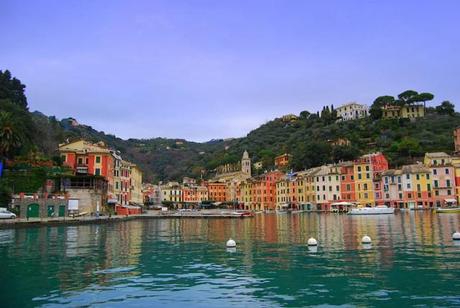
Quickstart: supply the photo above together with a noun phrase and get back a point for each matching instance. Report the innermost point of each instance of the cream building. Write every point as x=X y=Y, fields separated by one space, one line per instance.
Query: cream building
x=352 y=111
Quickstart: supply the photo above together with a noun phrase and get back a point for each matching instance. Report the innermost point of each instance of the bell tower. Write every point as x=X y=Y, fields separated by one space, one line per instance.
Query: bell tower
x=246 y=163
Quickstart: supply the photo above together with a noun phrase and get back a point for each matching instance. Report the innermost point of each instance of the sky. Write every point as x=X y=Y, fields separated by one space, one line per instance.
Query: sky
x=204 y=70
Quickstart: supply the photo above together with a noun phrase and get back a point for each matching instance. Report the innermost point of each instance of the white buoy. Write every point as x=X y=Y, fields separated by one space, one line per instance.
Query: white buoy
x=456 y=236
x=313 y=249
x=231 y=249
x=366 y=240
x=367 y=246
x=312 y=242
x=231 y=243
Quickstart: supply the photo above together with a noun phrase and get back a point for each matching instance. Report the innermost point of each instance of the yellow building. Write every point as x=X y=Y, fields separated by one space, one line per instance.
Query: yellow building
x=282 y=192
x=136 y=184
x=363 y=182
x=171 y=192
x=245 y=194
x=412 y=111
x=405 y=112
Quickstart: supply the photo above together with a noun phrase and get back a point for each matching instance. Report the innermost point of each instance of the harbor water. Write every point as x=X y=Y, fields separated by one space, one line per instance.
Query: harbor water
x=184 y=262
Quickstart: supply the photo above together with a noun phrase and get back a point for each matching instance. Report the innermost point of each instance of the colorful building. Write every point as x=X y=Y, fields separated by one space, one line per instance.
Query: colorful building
x=367 y=172
x=327 y=181
x=171 y=192
x=352 y=111
x=217 y=191
x=282 y=161
x=409 y=187
x=443 y=174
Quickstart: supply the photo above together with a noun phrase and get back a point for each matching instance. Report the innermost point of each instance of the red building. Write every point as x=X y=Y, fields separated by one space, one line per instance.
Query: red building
x=86 y=158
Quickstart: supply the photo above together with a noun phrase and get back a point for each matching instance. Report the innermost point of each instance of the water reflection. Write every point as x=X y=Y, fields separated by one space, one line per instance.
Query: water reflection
x=177 y=261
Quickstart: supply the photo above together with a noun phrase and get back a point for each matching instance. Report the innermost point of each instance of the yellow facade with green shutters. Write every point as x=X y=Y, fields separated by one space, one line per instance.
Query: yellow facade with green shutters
x=363 y=184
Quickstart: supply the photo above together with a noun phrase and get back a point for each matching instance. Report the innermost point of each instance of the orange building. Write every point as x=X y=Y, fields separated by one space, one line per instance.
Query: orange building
x=347 y=183
x=282 y=161
x=217 y=191
x=263 y=190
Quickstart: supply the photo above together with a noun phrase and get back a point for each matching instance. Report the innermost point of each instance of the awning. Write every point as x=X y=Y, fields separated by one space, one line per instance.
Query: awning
x=450 y=200
x=342 y=203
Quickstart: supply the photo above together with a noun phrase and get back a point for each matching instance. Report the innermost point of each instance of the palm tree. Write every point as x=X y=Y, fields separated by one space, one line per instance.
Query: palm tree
x=10 y=134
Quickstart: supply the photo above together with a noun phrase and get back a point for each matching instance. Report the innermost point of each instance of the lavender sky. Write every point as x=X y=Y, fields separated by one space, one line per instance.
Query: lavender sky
x=215 y=69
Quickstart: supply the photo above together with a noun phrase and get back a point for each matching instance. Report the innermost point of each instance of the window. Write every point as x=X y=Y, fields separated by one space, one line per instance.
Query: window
x=408 y=176
x=435 y=171
x=427 y=176
x=367 y=168
x=97 y=171
x=80 y=161
x=63 y=158
x=359 y=168
x=448 y=183
x=98 y=159
x=408 y=185
x=447 y=171
x=359 y=176
x=367 y=175
x=436 y=184
x=417 y=176
x=428 y=187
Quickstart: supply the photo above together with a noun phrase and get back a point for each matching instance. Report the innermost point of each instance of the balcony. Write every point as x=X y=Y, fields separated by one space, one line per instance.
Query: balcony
x=81 y=169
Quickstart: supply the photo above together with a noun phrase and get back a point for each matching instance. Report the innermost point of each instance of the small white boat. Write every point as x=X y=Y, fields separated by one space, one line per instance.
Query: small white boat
x=377 y=210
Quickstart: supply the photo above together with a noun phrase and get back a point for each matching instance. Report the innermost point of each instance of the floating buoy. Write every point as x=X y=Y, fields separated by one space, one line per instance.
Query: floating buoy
x=231 y=243
x=313 y=249
x=366 y=240
x=231 y=249
x=367 y=246
x=312 y=242
x=456 y=236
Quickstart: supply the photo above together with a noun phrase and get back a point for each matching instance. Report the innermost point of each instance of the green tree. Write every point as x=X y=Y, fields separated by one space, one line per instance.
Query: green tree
x=11 y=136
x=446 y=107
x=408 y=97
x=376 y=108
x=12 y=89
x=424 y=97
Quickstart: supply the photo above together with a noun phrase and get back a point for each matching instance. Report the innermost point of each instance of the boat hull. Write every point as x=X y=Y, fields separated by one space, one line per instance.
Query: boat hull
x=447 y=210
x=372 y=211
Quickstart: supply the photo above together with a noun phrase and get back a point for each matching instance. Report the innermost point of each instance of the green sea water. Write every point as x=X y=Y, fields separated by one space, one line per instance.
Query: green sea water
x=184 y=262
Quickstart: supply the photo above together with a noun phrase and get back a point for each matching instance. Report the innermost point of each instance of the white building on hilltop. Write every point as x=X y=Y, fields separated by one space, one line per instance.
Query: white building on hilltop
x=352 y=111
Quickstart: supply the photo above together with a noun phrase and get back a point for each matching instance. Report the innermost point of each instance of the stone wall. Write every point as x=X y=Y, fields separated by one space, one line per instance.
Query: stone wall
x=22 y=205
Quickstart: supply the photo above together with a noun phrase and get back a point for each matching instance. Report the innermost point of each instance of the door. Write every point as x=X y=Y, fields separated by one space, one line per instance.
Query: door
x=50 y=210
x=33 y=210
x=61 y=210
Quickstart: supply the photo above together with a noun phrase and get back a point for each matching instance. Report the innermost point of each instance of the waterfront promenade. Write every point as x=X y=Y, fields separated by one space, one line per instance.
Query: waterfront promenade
x=50 y=221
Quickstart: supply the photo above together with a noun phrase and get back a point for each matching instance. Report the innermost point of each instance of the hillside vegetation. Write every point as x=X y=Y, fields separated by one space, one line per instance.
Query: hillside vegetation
x=309 y=138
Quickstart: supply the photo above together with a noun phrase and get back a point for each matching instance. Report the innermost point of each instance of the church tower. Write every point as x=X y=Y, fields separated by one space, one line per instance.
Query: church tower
x=246 y=163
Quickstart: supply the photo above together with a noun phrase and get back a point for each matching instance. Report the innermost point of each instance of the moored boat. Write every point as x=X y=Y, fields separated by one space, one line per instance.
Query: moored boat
x=377 y=210
x=448 y=210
